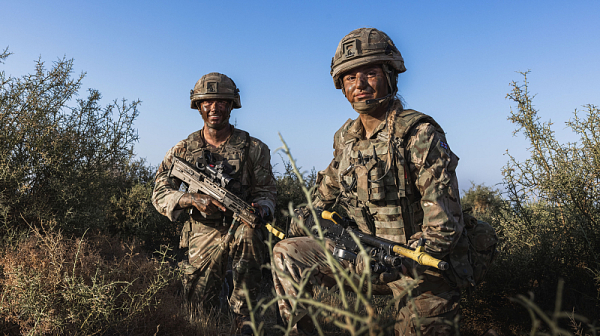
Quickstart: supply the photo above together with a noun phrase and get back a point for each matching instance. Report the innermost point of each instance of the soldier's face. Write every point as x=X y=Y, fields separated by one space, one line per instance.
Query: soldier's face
x=365 y=82
x=215 y=113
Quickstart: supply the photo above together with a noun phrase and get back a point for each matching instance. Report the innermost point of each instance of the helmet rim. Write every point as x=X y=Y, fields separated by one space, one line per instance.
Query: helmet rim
x=215 y=86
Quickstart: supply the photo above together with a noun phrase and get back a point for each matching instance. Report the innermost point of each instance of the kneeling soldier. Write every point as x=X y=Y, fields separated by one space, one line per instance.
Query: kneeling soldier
x=248 y=161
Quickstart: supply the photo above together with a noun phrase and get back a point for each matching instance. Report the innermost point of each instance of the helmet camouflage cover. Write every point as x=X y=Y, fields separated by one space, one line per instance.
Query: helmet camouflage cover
x=215 y=86
x=364 y=46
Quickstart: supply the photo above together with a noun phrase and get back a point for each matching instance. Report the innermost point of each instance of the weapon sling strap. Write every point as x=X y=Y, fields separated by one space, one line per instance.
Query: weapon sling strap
x=246 y=152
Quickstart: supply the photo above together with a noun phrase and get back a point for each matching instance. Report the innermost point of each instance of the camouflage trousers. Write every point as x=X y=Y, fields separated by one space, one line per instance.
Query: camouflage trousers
x=433 y=300
x=206 y=265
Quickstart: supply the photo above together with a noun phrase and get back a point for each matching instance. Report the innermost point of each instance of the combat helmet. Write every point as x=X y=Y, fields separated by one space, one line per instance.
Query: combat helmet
x=364 y=46
x=215 y=86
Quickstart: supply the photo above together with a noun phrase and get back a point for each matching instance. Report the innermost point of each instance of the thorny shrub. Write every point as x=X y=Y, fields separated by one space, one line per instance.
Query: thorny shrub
x=69 y=160
x=548 y=222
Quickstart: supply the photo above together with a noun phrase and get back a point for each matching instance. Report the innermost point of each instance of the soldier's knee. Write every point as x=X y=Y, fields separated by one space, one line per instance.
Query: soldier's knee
x=281 y=254
x=280 y=249
x=431 y=314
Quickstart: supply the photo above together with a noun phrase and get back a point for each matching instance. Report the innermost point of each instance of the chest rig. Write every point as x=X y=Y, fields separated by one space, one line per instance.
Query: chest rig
x=375 y=179
x=232 y=155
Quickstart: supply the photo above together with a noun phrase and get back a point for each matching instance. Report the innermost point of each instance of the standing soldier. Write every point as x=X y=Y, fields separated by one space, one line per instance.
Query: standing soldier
x=248 y=160
x=394 y=173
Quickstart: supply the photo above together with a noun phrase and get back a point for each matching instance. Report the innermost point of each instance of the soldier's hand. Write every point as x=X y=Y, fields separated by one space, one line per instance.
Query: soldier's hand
x=360 y=263
x=392 y=274
x=205 y=203
x=263 y=211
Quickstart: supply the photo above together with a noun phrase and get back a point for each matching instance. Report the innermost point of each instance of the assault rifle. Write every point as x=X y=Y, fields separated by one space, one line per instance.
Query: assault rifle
x=210 y=179
x=386 y=254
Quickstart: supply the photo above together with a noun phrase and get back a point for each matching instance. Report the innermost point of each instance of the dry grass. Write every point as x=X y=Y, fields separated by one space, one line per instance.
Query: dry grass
x=53 y=285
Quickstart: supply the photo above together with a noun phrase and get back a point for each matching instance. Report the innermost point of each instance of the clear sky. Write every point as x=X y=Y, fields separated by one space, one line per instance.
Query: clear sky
x=460 y=58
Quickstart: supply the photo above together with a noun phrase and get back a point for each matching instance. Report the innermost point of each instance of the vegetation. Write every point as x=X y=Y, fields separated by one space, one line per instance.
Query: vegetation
x=289 y=190
x=547 y=220
x=84 y=252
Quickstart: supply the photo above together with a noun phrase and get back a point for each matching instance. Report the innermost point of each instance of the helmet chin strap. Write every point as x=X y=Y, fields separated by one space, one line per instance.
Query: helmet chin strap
x=370 y=105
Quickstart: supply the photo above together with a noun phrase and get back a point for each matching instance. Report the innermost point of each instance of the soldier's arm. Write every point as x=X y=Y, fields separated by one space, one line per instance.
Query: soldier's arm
x=166 y=194
x=263 y=187
x=432 y=166
x=328 y=186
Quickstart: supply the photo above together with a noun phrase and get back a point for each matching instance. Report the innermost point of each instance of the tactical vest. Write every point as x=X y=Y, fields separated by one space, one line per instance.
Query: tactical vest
x=234 y=155
x=381 y=202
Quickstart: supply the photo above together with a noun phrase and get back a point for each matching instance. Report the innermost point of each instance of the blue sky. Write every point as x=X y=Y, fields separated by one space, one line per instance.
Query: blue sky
x=460 y=58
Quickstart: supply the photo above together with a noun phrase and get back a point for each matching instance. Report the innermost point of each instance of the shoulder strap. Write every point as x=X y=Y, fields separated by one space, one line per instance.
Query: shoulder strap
x=341 y=134
x=241 y=140
x=407 y=120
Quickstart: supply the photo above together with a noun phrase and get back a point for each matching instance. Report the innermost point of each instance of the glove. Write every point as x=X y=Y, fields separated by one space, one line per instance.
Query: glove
x=391 y=275
x=296 y=228
x=378 y=277
x=263 y=211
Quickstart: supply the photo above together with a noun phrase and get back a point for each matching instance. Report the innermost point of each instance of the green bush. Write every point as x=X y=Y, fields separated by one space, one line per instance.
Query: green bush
x=555 y=197
x=547 y=219
x=70 y=161
x=289 y=190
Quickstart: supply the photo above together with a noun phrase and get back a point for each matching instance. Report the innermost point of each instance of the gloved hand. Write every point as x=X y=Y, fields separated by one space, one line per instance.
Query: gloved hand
x=297 y=227
x=263 y=210
x=378 y=278
x=205 y=203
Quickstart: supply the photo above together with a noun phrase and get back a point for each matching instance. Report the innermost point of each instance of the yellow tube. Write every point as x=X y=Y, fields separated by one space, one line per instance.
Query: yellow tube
x=275 y=231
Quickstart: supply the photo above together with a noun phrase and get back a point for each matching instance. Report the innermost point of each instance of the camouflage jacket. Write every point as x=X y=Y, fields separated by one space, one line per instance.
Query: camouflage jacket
x=249 y=158
x=415 y=196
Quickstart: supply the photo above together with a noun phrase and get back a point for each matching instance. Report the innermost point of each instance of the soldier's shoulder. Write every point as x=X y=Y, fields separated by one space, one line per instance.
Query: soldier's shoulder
x=194 y=136
x=249 y=140
x=256 y=142
x=193 y=141
x=340 y=134
x=412 y=121
x=346 y=126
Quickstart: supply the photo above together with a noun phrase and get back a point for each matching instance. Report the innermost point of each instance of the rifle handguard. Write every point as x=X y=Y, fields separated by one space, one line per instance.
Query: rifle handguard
x=418 y=255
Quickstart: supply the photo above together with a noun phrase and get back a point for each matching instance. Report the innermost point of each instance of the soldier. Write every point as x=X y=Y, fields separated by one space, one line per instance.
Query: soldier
x=394 y=173
x=249 y=161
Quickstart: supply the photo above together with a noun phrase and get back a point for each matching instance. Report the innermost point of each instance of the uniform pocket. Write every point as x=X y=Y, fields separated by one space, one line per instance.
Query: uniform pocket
x=184 y=242
x=377 y=183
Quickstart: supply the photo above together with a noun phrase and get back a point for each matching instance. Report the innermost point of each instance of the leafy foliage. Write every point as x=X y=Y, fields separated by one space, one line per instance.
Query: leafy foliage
x=68 y=160
x=554 y=195
x=289 y=190
x=547 y=221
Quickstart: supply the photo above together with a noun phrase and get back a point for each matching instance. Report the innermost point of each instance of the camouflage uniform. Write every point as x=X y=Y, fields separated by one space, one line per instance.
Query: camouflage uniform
x=417 y=197
x=202 y=234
